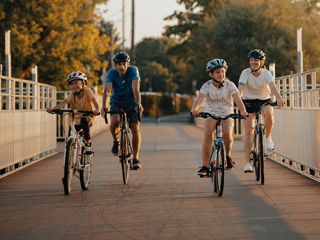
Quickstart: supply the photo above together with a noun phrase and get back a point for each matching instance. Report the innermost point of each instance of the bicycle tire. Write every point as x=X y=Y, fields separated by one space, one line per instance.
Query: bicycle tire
x=220 y=170
x=212 y=171
x=124 y=160
x=85 y=172
x=68 y=166
x=261 y=156
x=255 y=154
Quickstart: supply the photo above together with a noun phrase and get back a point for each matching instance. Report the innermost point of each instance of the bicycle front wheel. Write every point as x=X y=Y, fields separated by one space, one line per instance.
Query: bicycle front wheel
x=124 y=159
x=254 y=156
x=68 y=166
x=220 y=170
x=261 y=156
x=85 y=172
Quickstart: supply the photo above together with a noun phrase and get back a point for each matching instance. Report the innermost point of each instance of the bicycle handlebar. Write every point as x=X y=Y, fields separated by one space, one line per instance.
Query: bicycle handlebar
x=84 y=113
x=120 y=112
x=206 y=115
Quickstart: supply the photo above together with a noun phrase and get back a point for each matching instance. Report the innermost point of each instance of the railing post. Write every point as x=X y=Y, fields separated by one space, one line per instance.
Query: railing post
x=315 y=102
x=35 y=92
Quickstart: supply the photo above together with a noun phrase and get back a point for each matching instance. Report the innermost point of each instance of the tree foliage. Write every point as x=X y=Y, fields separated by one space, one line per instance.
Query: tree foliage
x=58 y=36
x=234 y=28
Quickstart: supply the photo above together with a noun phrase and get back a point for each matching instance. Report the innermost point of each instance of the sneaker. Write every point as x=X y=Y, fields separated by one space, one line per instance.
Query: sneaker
x=204 y=171
x=247 y=168
x=115 y=148
x=136 y=164
x=230 y=163
x=270 y=144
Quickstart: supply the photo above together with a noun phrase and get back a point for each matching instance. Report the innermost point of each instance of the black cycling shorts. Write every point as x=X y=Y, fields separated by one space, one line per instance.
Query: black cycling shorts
x=255 y=101
x=132 y=114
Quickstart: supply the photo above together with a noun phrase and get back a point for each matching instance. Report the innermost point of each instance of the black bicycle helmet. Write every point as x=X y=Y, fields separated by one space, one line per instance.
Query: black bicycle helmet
x=121 y=57
x=216 y=63
x=77 y=75
x=257 y=53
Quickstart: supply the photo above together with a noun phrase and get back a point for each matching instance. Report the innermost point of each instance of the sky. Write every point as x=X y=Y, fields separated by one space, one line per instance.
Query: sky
x=149 y=16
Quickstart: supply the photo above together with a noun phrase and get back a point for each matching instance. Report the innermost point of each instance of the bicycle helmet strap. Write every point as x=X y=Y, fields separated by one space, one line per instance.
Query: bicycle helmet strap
x=75 y=94
x=220 y=83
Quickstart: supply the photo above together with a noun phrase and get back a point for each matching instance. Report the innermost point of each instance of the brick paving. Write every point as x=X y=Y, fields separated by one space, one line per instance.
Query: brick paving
x=163 y=200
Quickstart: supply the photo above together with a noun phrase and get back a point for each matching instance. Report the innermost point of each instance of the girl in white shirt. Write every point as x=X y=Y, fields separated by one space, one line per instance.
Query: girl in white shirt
x=219 y=93
x=255 y=85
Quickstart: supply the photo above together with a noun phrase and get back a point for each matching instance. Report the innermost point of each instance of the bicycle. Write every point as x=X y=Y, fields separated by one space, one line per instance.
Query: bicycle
x=218 y=158
x=126 y=153
x=75 y=154
x=259 y=150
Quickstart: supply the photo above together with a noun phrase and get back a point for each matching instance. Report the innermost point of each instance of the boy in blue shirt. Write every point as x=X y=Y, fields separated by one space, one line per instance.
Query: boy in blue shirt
x=124 y=81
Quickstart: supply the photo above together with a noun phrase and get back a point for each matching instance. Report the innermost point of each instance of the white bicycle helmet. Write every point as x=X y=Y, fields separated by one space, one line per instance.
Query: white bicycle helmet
x=77 y=75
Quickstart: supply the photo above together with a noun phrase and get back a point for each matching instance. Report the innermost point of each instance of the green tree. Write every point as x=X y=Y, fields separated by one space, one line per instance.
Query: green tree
x=238 y=26
x=58 y=36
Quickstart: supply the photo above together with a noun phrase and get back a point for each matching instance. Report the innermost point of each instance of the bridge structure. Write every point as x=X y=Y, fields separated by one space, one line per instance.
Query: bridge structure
x=165 y=199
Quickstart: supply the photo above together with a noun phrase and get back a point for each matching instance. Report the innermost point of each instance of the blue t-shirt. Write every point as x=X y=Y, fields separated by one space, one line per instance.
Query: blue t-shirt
x=122 y=86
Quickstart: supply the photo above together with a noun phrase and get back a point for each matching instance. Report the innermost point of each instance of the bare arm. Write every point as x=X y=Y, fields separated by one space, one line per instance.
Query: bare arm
x=240 y=105
x=58 y=106
x=275 y=92
x=196 y=104
x=96 y=105
x=106 y=96
x=241 y=88
x=136 y=92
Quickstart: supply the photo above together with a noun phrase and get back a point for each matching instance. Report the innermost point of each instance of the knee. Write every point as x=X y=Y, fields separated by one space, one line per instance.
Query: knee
x=135 y=128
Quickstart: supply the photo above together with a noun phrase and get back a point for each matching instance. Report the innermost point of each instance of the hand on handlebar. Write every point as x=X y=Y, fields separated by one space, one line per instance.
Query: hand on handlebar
x=49 y=110
x=244 y=114
x=194 y=113
x=96 y=112
x=103 y=111
x=280 y=102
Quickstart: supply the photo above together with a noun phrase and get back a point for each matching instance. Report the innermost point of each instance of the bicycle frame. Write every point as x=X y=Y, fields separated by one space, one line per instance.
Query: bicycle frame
x=216 y=144
x=259 y=126
x=124 y=127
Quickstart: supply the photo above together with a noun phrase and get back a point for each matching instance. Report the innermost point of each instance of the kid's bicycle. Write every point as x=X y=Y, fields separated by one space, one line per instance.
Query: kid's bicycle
x=125 y=153
x=259 y=150
x=218 y=158
x=77 y=157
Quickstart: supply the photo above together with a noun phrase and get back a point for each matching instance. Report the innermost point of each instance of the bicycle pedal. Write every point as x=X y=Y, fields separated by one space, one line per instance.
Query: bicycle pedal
x=248 y=171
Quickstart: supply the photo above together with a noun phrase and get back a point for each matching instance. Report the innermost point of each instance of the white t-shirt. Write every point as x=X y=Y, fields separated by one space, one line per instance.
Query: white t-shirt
x=256 y=87
x=219 y=101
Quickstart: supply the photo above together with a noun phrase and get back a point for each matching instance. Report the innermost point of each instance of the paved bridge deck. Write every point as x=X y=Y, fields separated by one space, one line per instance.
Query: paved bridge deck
x=163 y=200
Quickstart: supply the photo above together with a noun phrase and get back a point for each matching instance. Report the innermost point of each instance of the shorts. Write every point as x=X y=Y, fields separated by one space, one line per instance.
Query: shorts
x=255 y=101
x=132 y=114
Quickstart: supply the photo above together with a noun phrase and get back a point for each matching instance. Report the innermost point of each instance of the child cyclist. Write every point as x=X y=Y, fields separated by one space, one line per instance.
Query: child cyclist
x=81 y=99
x=219 y=93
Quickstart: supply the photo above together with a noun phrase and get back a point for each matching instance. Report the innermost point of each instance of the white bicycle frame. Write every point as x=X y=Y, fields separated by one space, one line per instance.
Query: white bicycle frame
x=216 y=144
x=260 y=122
x=77 y=140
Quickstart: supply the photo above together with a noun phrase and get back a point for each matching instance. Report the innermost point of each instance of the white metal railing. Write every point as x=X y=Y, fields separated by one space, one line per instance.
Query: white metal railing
x=297 y=125
x=27 y=134
x=300 y=90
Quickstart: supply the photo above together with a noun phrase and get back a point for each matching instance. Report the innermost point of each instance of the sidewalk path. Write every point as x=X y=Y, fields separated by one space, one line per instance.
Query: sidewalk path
x=163 y=200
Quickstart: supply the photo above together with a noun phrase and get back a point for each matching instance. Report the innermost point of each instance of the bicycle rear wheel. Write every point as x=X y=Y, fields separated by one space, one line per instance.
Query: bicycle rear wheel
x=85 y=172
x=124 y=159
x=261 y=156
x=220 y=170
x=68 y=166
